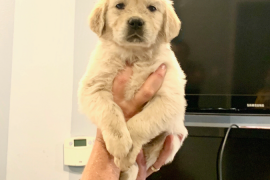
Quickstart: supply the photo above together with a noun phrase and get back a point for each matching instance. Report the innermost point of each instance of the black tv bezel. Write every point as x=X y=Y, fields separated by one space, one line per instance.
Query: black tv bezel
x=234 y=110
x=228 y=112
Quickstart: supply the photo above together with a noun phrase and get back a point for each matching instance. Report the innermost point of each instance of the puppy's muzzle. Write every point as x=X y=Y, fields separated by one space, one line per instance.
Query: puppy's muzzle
x=135 y=23
x=135 y=30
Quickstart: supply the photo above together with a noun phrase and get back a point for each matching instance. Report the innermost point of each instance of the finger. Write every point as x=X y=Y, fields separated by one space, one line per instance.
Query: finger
x=150 y=87
x=164 y=154
x=142 y=166
x=180 y=136
x=119 y=83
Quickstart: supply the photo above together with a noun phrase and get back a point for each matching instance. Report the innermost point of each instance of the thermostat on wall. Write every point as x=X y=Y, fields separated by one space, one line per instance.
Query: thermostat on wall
x=77 y=150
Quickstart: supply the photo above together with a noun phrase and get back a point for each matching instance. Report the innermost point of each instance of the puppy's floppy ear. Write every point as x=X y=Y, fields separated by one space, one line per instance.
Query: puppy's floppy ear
x=171 y=23
x=97 y=17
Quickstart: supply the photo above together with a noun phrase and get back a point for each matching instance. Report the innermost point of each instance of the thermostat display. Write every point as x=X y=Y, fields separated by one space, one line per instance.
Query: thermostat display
x=80 y=142
x=77 y=150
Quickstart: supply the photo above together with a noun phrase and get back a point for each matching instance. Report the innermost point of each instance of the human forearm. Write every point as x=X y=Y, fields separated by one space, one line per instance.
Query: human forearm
x=101 y=164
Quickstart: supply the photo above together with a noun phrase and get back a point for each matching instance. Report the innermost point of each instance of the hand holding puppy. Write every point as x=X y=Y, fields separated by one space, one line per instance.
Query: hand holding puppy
x=132 y=107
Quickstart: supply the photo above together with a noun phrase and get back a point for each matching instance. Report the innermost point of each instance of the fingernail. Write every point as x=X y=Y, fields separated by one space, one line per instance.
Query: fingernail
x=163 y=66
x=180 y=137
x=163 y=69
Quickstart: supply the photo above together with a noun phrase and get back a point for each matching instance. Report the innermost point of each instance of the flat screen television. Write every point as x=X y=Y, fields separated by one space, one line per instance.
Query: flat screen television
x=224 y=49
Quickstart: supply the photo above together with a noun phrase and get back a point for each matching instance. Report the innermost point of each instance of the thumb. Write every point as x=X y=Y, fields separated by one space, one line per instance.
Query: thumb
x=142 y=166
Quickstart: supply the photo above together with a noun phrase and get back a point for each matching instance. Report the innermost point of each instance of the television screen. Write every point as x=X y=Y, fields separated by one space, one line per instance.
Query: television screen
x=224 y=49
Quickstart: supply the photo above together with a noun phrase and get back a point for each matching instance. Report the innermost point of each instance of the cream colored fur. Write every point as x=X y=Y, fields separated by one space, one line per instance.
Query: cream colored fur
x=162 y=115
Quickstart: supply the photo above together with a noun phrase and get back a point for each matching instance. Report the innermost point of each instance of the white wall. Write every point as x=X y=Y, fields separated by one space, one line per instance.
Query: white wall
x=84 y=43
x=41 y=89
x=6 y=38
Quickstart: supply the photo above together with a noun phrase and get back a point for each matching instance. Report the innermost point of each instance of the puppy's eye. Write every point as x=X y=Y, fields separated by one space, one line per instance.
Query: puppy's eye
x=120 y=6
x=152 y=8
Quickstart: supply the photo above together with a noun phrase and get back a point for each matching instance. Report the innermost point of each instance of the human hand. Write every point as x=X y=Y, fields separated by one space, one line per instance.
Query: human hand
x=135 y=105
x=164 y=154
x=145 y=94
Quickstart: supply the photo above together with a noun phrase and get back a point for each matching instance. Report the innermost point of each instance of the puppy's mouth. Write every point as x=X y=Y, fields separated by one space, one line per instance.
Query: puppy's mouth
x=135 y=38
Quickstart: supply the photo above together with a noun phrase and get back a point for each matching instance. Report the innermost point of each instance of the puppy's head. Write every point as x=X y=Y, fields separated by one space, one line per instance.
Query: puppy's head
x=135 y=22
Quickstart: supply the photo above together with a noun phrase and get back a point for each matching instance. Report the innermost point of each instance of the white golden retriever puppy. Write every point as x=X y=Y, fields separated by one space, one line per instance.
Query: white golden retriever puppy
x=136 y=32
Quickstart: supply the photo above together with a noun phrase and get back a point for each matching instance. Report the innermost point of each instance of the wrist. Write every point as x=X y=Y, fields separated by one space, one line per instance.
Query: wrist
x=101 y=146
x=101 y=164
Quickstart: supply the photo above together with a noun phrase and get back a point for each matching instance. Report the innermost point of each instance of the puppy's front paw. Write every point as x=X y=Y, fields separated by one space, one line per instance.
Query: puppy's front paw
x=118 y=144
x=124 y=163
x=130 y=174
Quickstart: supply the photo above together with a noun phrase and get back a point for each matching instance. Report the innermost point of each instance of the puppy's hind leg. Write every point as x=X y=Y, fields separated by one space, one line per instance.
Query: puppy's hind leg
x=182 y=132
x=130 y=174
x=177 y=143
x=153 y=149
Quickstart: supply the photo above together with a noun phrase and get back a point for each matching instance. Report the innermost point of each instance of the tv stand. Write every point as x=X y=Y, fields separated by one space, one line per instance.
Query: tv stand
x=246 y=155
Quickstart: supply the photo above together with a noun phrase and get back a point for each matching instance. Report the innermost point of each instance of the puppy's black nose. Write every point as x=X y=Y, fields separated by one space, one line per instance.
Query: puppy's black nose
x=135 y=23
